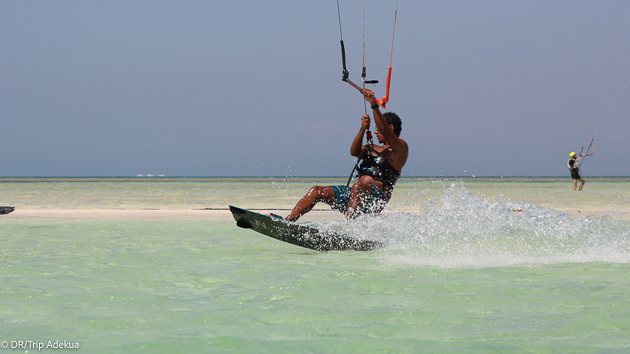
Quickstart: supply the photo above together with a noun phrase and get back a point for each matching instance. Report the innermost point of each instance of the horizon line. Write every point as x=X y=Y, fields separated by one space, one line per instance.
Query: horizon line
x=268 y=176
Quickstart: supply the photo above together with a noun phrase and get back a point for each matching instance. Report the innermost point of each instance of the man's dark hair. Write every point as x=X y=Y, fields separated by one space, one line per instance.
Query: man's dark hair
x=393 y=119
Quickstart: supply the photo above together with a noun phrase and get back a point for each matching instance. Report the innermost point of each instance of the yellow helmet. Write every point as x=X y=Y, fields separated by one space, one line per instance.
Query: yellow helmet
x=572 y=155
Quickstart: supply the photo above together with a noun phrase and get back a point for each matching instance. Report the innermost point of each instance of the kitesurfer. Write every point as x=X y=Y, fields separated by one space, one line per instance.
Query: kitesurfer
x=574 y=168
x=378 y=172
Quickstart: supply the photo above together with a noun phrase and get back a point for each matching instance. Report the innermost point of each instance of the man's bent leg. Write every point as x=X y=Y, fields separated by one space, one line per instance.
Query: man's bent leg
x=315 y=195
x=358 y=194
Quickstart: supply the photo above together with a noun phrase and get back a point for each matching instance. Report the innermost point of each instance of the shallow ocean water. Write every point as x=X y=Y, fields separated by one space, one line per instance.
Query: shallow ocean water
x=463 y=271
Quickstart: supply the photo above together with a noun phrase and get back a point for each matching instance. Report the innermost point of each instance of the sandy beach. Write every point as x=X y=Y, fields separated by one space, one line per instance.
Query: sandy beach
x=163 y=214
x=214 y=215
x=208 y=198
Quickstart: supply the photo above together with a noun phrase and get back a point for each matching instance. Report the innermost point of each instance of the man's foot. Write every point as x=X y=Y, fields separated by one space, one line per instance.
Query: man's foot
x=276 y=216
x=582 y=185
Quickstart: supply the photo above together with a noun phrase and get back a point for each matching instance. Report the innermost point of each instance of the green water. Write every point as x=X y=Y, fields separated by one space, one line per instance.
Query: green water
x=461 y=273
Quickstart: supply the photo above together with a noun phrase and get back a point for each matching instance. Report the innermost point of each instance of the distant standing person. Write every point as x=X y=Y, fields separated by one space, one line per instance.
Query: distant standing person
x=575 y=170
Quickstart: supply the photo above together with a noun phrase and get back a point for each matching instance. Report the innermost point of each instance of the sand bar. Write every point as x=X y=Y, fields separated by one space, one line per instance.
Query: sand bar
x=210 y=215
x=135 y=214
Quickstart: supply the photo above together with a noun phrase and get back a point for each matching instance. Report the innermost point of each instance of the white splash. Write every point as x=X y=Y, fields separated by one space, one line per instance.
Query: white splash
x=465 y=230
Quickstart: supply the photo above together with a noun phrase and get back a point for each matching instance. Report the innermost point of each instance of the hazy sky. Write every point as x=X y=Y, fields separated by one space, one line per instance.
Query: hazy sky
x=248 y=88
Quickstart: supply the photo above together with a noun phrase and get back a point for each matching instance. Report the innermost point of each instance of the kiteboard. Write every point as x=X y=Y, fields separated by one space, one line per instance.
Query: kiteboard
x=298 y=234
x=6 y=210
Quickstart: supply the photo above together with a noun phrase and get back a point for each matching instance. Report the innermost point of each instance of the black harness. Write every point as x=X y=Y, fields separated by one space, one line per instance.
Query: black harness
x=375 y=166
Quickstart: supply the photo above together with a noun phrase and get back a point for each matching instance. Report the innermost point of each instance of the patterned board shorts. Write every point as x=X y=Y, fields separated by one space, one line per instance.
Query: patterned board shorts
x=374 y=203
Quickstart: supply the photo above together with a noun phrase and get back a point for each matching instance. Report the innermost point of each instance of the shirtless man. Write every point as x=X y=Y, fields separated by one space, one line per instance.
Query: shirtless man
x=378 y=172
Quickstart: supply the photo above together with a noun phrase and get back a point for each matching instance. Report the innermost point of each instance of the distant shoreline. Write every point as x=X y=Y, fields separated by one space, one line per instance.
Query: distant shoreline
x=138 y=214
x=214 y=214
x=289 y=177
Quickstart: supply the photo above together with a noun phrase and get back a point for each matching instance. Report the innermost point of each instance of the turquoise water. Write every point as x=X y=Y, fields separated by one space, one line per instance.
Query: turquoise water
x=480 y=266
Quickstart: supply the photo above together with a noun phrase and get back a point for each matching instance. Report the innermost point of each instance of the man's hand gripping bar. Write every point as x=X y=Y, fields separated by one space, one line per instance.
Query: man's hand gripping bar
x=380 y=102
